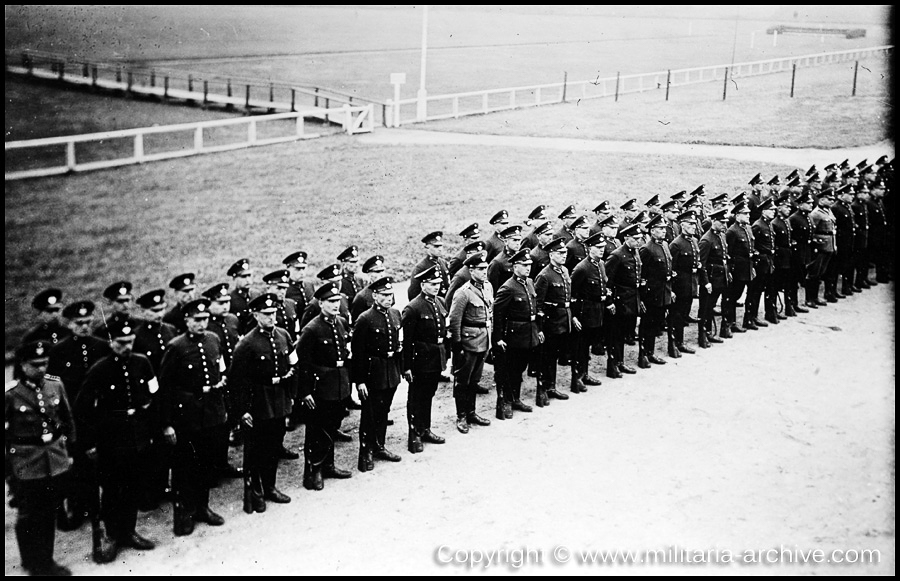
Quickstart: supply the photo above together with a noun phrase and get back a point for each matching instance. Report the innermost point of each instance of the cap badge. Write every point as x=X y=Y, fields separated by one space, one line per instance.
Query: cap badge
x=39 y=350
x=123 y=291
x=82 y=311
x=51 y=300
x=201 y=307
x=126 y=330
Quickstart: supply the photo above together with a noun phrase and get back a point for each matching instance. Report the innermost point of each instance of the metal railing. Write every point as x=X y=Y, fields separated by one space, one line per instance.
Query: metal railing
x=59 y=155
x=456 y=105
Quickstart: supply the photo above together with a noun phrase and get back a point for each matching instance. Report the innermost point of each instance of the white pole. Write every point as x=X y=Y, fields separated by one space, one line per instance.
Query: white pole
x=422 y=94
x=775 y=38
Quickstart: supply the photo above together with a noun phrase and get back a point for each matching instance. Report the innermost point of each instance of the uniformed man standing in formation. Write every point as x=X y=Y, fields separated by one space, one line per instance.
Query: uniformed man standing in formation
x=372 y=269
x=714 y=260
x=500 y=269
x=554 y=298
x=193 y=415
x=840 y=270
x=802 y=232
x=119 y=299
x=783 y=262
x=463 y=275
x=434 y=244
x=118 y=425
x=242 y=293
x=376 y=370
x=39 y=430
x=299 y=289
x=623 y=269
x=591 y=299
x=576 y=249
x=424 y=324
x=657 y=296
x=262 y=373
x=537 y=216
x=515 y=336
x=470 y=235
x=741 y=254
x=822 y=221
x=688 y=277
x=153 y=334
x=48 y=304
x=470 y=337
x=540 y=257
x=861 y=240
x=762 y=287
x=324 y=366
x=70 y=360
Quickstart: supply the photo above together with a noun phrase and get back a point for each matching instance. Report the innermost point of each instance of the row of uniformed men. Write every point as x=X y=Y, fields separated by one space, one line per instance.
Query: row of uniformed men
x=561 y=315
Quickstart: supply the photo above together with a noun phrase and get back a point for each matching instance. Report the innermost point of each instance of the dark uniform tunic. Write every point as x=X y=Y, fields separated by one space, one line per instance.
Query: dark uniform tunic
x=499 y=270
x=540 y=258
x=52 y=331
x=151 y=340
x=565 y=233
x=842 y=261
x=314 y=309
x=715 y=261
x=461 y=277
x=424 y=323
x=262 y=377
x=350 y=285
x=878 y=235
x=226 y=327
x=590 y=297
x=301 y=293
x=324 y=365
x=240 y=298
x=689 y=276
x=824 y=245
x=376 y=363
x=554 y=300
x=175 y=317
x=115 y=416
x=415 y=287
x=802 y=232
x=39 y=430
x=515 y=323
x=623 y=269
x=576 y=251
x=192 y=398
x=456 y=262
x=493 y=245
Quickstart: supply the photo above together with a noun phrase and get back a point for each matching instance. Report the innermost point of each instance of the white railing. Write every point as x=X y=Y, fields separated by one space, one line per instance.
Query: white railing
x=355 y=120
x=456 y=105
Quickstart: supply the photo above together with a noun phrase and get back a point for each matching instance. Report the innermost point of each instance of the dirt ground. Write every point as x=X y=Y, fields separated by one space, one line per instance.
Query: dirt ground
x=781 y=439
x=747 y=457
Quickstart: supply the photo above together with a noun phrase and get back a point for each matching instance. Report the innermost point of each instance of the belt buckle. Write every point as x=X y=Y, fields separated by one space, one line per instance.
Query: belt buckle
x=440 y=340
x=339 y=363
x=390 y=354
x=47 y=438
x=129 y=412
x=566 y=304
x=533 y=318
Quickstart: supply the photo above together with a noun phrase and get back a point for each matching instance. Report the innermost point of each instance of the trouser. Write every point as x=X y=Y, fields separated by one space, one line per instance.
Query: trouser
x=781 y=278
x=122 y=473
x=556 y=348
x=883 y=259
x=835 y=268
x=81 y=483
x=861 y=263
x=468 y=368
x=509 y=368
x=261 y=455
x=730 y=299
x=815 y=273
x=36 y=521
x=374 y=418
x=653 y=319
x=159 y=464
x=418 y=404
x=194 y=467
x=583 y=340
x=764 y=283
x=219 y=439
x=321 y=425
x=708 y=302
x=618 y=328
x=679 y=311
x=797 y=278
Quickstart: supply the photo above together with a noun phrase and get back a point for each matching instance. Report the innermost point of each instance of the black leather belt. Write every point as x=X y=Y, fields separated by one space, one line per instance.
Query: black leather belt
x=39 y=441
x=518 y=320
x=478 y=324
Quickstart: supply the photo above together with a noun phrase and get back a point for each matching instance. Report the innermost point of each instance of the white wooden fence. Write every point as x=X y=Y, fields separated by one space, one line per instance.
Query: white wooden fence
x=45 y=152
x=456 y=105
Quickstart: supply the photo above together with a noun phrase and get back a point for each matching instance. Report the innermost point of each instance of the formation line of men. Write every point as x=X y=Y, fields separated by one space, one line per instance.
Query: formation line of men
x=100 y=421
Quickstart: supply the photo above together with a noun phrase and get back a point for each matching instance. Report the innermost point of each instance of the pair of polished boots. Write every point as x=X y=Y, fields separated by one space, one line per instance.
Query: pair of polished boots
x=676 y=348
x=314 y=478
x=615 y=369
x=506 y=408
x=543 y=395
x=463 y=420
x=580 y=381
x=367 y=458
x=417 y=439
x=647 y=355
x=183 y=519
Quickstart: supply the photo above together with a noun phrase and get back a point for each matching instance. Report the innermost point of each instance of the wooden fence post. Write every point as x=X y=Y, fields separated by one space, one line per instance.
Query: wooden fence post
x=205 y=91
x=618 y=74
x=190 y=83
x=84 y=70
x=793 y=76
x=166 y=86
x=293 y=99
x=130 y=80
x=668 y=82
x=247 y=99
x=565 y=82
x=855 y=72
x=725 y=86
x=152 y=78
x=228 y=87
x=94 y=75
